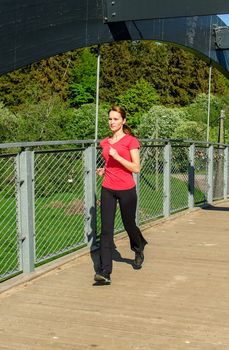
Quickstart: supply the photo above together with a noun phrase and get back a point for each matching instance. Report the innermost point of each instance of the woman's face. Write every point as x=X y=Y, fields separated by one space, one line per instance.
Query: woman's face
x=115 y=121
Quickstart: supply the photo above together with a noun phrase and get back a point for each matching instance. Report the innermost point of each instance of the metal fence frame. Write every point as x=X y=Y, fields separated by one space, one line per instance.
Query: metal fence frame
x=169 y=167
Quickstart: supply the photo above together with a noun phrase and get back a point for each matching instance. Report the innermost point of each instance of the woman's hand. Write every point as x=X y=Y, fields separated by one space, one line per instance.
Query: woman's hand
x=100 y=171
x=113 y=153
x=133 y=165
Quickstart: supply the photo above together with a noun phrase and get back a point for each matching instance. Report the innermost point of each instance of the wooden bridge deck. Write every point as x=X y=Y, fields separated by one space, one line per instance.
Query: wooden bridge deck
x=178 y=300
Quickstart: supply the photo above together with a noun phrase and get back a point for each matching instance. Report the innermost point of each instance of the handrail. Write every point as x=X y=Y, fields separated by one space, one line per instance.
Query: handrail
x=30 y=144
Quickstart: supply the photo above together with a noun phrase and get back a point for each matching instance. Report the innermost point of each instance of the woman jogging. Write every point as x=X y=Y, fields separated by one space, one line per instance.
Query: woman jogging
x=121 y=155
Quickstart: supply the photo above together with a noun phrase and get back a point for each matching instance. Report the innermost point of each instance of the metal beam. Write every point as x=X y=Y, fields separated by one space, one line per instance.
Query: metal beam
x=221 y=37
x=126 y=10
x=33 y=30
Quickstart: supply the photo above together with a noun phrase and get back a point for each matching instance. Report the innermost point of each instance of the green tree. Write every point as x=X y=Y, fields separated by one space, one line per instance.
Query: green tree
x=53 y=74
x=160 y=122
x=198 y=109
x=9 y=125
x=83 y=79
x=37 y=81
x=189 y=130
x=81 y=122
x=16 y=87
x=118 y=72
x=43 y=121
x=177 y=74
x=137 y=100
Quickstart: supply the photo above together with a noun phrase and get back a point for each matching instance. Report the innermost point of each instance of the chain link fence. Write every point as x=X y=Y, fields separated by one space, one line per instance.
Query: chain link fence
x=50 y=198
x=179 y=178
x=226 y=183
x=150 y=185
x=59 y=202
x=9 y=237
x=201 y=173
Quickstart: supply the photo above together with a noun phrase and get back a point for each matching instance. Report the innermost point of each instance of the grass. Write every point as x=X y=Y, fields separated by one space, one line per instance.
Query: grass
x=59 y=224
x=152 y=195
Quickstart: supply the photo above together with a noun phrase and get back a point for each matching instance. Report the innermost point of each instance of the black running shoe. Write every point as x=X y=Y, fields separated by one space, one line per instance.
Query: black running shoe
x=138 y=261
x=103 y=278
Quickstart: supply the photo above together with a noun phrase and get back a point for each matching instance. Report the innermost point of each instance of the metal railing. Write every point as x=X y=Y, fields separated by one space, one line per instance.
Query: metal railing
x=50 y=198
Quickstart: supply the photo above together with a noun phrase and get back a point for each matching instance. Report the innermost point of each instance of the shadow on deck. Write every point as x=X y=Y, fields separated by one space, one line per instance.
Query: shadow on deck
x=178 y=300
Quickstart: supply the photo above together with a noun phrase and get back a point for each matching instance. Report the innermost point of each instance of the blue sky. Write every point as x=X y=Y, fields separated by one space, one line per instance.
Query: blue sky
x=225 y=18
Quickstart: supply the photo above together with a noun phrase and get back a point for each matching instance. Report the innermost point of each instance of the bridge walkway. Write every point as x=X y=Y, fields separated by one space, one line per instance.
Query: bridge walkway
x=177 y=301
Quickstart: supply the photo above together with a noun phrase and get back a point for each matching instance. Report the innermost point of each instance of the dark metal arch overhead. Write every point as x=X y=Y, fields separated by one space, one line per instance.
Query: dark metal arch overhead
x=32 y=30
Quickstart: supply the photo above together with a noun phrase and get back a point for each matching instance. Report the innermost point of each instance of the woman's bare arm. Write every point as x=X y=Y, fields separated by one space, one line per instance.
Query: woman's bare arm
x=134 y=165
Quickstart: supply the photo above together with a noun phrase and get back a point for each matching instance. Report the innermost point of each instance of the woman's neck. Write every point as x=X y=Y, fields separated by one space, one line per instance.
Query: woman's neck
x=118 y=135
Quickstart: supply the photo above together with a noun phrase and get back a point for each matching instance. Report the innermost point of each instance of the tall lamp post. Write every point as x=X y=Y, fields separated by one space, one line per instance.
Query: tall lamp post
x=97 y=94
x=209 y=101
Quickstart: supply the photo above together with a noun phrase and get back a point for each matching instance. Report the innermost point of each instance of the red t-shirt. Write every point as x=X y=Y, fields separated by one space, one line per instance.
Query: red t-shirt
x=117 y=177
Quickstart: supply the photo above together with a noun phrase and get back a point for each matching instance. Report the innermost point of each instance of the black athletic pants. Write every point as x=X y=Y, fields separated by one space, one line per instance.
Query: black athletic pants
x=127 y=202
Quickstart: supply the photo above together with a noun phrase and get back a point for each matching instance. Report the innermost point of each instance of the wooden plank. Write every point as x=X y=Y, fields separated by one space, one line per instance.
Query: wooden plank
x=178 y=300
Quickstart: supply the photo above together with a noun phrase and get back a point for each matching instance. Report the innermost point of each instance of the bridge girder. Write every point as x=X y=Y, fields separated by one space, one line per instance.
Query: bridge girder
x=33 y=30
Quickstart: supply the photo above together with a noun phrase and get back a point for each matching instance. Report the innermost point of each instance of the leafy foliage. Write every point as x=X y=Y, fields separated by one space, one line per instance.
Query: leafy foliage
x=177 y=75
x=37 y=81
x=160 y=122
x=83 y=79
x=8 y=125
x=54 y=98
x=198 y=109
x=188 y=130
x=42 y=121
x=81 y=122
x=198 y=112
x=137 y=100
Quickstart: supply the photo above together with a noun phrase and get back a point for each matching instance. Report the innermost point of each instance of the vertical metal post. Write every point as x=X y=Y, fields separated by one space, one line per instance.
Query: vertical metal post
x=209 y=101
x=167 y=179
x=97 y=108
x=210 y=174
x=90 y=196
x=97 y=95
x=137 y=181
x=221 y=127
x=191 y=176
x=225 y=172
x=26 y=210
